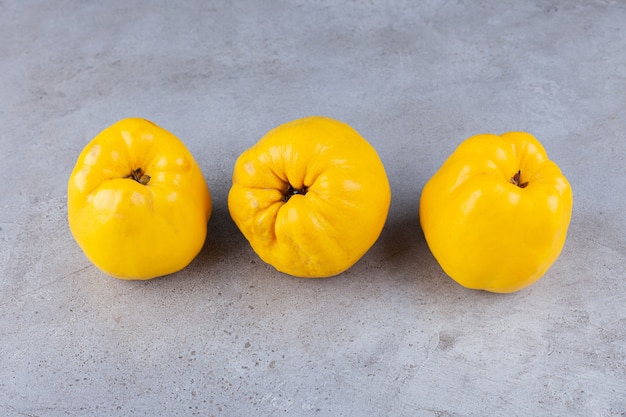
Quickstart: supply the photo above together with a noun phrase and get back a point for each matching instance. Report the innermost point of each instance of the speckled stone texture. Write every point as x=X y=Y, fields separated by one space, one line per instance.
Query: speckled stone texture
x=230 y=336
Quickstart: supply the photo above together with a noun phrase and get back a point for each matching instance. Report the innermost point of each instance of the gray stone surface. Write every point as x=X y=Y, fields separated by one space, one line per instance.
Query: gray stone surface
x=393 y=336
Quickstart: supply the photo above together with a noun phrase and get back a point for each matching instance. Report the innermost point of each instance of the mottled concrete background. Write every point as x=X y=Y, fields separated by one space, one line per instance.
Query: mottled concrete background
x=230 y=336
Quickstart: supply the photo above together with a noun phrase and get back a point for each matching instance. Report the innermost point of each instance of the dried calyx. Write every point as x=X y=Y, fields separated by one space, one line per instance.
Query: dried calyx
x=291 y=191
x=139 y=176
x=517 y=178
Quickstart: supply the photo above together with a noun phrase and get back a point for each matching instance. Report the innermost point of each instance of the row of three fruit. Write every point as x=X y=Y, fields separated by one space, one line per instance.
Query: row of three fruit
x=312 y=197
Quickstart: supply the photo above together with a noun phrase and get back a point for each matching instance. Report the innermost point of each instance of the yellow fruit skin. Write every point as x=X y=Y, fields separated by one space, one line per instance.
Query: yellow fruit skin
x=485 y=231
x=127 y=229
x=324 y=231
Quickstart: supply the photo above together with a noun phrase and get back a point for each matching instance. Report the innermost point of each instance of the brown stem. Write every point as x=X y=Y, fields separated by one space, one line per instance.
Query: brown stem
x=517 y=178
x=293 y=191
x=139 y=176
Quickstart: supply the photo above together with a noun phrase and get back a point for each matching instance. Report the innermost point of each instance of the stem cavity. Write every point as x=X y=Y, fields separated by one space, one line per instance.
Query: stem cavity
x=291 y=191
x=517 y=178
x=139 y=176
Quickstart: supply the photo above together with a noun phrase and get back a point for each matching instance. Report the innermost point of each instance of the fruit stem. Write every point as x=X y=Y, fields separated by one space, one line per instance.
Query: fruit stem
x=291 y=191
x=139 y=176
x=517 y=178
